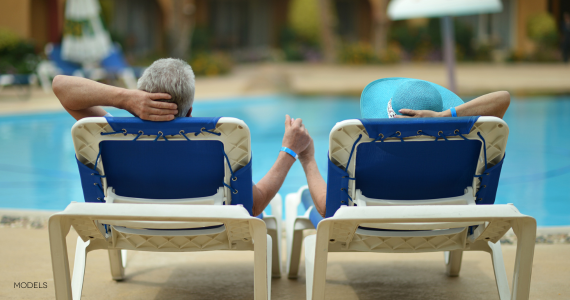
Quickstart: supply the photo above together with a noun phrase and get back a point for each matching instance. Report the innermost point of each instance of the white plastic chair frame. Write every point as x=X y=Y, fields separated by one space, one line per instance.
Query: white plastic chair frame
x=243 y=232
x=236 y=233
x=341 y=232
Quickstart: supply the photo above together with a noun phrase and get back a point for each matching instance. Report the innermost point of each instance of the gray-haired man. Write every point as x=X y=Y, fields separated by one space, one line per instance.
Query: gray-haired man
x=165 y=91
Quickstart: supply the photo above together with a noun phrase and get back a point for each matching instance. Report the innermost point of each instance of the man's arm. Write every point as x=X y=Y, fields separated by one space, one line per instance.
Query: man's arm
x=295 y=138
x=83 y=97
x=493 y=104
x=317 y=185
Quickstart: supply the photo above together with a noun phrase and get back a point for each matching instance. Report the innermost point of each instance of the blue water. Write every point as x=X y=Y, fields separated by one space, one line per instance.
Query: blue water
x=38 y=169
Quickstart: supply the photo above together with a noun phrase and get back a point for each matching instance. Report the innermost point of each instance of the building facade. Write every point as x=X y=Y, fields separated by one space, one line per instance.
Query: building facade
x=144 y=26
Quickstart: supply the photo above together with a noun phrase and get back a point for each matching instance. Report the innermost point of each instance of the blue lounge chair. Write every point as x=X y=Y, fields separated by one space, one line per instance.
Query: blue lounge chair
x=117 y=67
x=114 y=66
x=178 y=186
x=410 y=186
x=23 y=82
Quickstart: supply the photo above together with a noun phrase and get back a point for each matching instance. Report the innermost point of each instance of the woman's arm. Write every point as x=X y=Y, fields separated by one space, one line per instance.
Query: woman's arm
x=492 y=104
x=317 y=185
x=295 y=138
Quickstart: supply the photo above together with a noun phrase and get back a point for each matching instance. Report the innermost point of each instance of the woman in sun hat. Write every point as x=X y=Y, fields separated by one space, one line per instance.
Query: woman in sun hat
x=405 y=98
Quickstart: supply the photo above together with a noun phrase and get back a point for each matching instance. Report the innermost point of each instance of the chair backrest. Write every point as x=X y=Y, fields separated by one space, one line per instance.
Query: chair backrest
x=180 y=159
x=415 y=159
x=115 y=61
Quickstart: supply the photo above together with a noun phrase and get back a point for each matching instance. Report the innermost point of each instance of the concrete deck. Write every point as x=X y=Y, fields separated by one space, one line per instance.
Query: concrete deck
x=229 y=275
x=256 y=79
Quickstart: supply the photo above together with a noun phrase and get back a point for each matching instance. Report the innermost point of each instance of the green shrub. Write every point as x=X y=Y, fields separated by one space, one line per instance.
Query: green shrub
x=541 y=28
x=358 y=54
x=300 y=38
x=423 y=42
x=363 y=53
x=298 y=48
x=417 y=41
x=392 y=54
x=515 y=56
x=201 y=39
x=550 y=54
x=464 y=37
x=483 y=52
x=211 y=64
x=8 y=39
x=304 y=19
x=17 y=56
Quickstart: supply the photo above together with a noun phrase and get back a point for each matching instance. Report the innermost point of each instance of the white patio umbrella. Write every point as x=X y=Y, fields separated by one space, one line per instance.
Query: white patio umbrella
x=410 y=9
x=85 y=40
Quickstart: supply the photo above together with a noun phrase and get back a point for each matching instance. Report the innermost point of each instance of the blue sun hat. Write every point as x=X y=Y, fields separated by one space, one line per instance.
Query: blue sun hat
x=383 y=98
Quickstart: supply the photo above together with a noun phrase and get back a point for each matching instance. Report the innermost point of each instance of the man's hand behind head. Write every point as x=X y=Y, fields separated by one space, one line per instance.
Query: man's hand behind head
x=148 y=106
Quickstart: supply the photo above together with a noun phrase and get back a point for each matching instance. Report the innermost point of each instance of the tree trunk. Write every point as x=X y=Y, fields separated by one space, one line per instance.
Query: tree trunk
x=329 y=41
x=181 y=28
x=380 y=25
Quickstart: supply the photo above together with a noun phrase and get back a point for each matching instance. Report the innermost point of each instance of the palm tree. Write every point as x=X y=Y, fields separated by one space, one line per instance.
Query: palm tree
x=182 y=20
x=380 y=23
x=329 y=40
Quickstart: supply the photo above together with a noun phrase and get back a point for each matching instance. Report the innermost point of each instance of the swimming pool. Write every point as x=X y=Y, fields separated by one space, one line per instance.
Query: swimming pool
x=38 y=169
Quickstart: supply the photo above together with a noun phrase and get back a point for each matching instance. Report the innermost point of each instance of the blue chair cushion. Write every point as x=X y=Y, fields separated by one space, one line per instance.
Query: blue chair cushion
x=163 y=170
x=416 y=170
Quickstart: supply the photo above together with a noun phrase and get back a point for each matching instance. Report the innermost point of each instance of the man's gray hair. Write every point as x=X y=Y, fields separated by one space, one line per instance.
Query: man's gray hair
x=172 y=76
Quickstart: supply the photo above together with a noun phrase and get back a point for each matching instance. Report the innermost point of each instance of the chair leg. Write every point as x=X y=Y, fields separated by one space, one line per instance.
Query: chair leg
x=276 y=257
x=453 y=262
x=310 y=264
x=45 y=70
x=316 y=266
x=294 y=243
x=276 y=210
x=262 y=269
x=116 y=262
x=79 y=268
x=58 y=230
x=128 y=77
x=124 y=256
x=269 y=265
x=525 y=230
x=500 y=272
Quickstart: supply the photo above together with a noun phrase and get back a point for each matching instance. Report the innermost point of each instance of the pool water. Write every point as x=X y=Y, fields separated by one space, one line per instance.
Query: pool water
x=38 y=168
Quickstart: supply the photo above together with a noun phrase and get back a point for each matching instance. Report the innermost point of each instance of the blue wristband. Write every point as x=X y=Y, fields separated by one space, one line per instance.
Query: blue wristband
x=289 y=151
x=453 y=112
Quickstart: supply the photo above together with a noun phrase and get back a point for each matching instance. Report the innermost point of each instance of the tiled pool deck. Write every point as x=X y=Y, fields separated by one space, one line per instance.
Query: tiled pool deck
x=229 y=275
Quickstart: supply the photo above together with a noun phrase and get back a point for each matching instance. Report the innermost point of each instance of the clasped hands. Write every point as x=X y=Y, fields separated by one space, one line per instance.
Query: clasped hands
x=297 y=138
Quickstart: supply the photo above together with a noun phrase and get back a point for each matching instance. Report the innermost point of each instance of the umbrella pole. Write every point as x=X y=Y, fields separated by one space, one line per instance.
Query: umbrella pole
x=449 y=51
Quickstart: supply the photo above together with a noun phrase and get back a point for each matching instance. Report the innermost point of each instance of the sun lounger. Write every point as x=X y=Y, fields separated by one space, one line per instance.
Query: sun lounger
x=410 y=186
x=114 y=66
x=178 y=186
x=23 y=82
